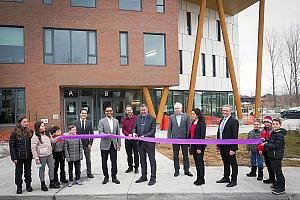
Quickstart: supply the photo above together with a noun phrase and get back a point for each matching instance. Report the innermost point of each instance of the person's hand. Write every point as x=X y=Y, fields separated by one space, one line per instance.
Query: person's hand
x=134 y=135
x=15 y=161
x=141 y=136
x=119 y=148
x=260 y=153
x=231 y=153
x=37 y=161
x=130 y=135
x=262 y=144
x=89 y=146
x=198 y=151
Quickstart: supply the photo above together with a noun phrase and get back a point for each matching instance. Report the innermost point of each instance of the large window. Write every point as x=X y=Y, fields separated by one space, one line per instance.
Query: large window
x=11 y=45
x=69 y=46
x=84 y=3
x=130 y=5
x=48 y=2
x=19 y=1
x=160 y=6
x=12 y=105
x=154 y=49
x=123 y=48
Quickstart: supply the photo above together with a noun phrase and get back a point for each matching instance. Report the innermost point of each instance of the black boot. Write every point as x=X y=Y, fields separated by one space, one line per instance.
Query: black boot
x=19 y=189
x=53 y=184
x=253 y=172
x=260 y=173
x=28 y=187
x=270 y=180
x=43 y=186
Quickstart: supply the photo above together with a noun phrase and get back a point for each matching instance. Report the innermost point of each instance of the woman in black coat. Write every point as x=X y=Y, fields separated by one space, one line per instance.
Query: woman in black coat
x=198 y=131
x=20 y=152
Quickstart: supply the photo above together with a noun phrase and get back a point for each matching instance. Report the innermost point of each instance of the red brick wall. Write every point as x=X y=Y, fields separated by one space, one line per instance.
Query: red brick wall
x=42 y=81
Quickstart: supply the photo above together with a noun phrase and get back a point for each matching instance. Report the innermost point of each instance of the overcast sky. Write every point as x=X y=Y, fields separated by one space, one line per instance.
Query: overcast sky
x=278 y=13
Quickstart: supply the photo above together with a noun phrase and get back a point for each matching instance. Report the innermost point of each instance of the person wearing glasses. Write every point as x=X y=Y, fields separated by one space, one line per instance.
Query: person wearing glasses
x=109 y=146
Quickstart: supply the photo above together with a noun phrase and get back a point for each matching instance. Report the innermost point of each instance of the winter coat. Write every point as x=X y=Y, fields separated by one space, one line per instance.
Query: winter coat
x=73 y=150
x=20 y=149
x=58 y=146
x=254 y=134
x=275 y=145
x=265 y=133
x=41 y=149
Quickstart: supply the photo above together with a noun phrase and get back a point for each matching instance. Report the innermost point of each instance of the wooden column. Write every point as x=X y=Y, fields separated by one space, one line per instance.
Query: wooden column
x=229 y=59
x=196 y=57
x=162 y=105
x=149 y=101
x=259 y=57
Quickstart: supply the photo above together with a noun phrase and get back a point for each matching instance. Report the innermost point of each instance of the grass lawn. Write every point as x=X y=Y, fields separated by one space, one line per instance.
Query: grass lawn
x=212 y=156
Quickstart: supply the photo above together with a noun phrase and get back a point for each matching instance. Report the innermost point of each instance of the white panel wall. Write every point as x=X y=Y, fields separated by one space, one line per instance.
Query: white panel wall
x=209 y=46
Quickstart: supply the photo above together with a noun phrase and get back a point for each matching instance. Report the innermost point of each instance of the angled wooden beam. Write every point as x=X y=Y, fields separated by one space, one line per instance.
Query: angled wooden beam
x=229 y=59
x=149 y=101
x=196 y=57
x=259 y=57
x=162 y=104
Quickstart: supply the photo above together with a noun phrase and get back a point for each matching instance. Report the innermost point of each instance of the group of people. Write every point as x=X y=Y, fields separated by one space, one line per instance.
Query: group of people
x=46 y=147
x=271 y=150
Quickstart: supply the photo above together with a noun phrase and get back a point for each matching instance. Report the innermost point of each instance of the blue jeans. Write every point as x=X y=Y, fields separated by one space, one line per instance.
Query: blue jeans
x=256 y=160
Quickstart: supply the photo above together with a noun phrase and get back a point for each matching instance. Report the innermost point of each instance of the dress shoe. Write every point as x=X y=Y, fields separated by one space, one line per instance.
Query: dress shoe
x=176 y=174
x=29 y=188
x=269 y=181
x=136 y=170
x=141 y=179
x=188 y=173
x=19 y=189
x=199 y=182
x=223 y=180
x=152 y=182
x=231 y=184
x=116 y=181
x=278 y=191
x=130 y=169
x=105 y=180
x=90 y=176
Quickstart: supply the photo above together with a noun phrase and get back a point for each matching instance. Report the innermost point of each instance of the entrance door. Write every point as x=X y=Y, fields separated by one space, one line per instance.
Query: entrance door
x=117 y=105
x=72 y=109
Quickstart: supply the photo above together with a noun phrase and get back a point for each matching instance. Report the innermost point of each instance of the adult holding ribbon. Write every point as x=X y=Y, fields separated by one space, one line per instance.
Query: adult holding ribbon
x=145 y=126
x=198 y=131
x=228 y=129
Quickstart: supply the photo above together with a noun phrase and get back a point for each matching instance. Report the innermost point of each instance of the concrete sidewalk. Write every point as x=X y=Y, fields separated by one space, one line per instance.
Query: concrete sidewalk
x=167 y=186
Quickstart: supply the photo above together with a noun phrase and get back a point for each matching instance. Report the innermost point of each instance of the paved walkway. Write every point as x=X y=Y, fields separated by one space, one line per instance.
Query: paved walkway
x=167 y=186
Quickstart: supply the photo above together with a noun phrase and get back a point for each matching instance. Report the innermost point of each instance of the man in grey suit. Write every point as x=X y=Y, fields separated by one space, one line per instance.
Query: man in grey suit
x=179 y=126
x=84 y=126
x=109 y=125
x=145 y=126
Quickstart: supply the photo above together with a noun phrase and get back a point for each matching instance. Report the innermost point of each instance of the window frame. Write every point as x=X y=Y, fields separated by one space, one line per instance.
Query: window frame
x=180 y=62
x=11 y=26
x=189 y=23
x=70 y=38
x=165 y=49
x=127 y=54
x=161 y=5
x=214 y=66
x=43 y=1
x=141 y=2
x=83 y=6
x=218 y=31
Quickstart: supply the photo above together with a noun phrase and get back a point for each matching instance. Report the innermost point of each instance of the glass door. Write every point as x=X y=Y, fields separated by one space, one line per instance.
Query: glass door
x=87 y=103
x=118 y=107
x=71 y=111
x=105 y=102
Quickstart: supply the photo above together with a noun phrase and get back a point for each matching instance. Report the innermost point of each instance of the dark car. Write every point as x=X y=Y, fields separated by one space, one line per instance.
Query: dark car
x=291 y=114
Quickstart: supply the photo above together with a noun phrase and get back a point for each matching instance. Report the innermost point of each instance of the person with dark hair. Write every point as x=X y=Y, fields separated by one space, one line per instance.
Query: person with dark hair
x=228 y=129
x=42 y=154
x=73 y=153
x=145 y=126
x=58 y=155
x=108 y=146
x=275 y=147
x=198 y=131
x=85 y=126
x=20 y=153
x=179 y=126
x=131 y=146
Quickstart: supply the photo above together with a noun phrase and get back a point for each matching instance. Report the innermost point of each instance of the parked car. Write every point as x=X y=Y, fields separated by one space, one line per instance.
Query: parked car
x=290 y=114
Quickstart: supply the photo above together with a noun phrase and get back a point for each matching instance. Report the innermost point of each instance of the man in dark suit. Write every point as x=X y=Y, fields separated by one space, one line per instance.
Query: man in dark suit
x=228 y=129
x=109 y=146
x=179 y=126
x=84 y=126
x=145 y=126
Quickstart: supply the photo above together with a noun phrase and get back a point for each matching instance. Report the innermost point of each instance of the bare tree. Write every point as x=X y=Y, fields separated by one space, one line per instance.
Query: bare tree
x=272 y=46
x=292 y=41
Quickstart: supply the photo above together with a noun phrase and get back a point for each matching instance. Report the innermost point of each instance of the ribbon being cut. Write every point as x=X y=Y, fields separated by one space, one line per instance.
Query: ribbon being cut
x=166 y=140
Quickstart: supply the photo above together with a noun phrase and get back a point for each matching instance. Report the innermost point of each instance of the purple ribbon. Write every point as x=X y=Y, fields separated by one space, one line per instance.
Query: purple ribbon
x=166 y=140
